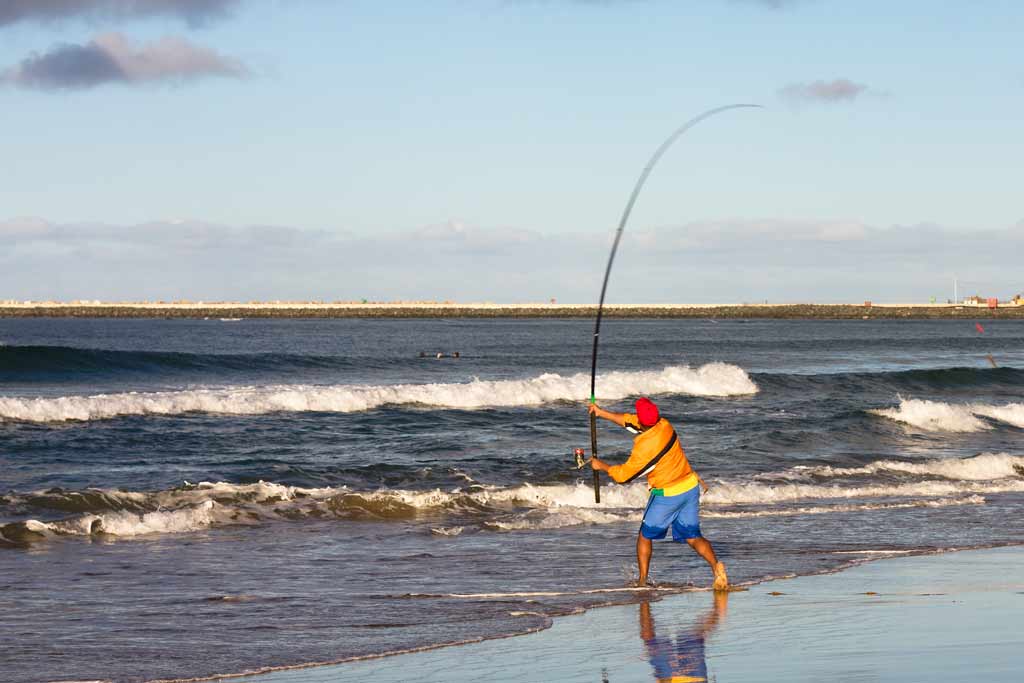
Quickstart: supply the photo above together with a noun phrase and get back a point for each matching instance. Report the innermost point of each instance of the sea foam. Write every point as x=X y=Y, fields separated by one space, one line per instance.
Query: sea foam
x=937 y=416
x=713 y=379
x=123 y=523
x=986 y=466
x=947 y=482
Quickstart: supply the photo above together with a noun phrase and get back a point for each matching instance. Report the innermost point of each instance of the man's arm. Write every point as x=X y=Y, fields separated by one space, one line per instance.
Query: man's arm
x=599 y=465
x=612 y=470
x=617 y=418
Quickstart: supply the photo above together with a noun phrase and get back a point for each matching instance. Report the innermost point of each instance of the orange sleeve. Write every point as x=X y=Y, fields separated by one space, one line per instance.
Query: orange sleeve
x=635 y=463
x=630 y=468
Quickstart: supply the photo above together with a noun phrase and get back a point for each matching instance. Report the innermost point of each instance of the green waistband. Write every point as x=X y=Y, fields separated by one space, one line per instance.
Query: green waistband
x=657 y=492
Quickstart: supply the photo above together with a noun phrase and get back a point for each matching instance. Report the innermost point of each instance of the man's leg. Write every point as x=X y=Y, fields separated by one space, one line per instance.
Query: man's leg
x=704 y=549
x=643 y=557
x=656 y=521
x=686 y=526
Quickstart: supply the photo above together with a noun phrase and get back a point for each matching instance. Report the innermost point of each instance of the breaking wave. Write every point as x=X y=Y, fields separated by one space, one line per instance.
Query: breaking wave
x=797 y=491
x=986 y=466
x=125 y=524
x=937 y=416
x=713 y=379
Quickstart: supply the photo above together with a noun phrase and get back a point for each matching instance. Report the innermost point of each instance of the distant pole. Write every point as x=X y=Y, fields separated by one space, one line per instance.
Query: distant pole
x=955 y=299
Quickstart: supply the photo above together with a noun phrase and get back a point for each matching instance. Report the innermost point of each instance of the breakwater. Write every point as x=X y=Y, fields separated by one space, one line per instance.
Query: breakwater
x=230 y=311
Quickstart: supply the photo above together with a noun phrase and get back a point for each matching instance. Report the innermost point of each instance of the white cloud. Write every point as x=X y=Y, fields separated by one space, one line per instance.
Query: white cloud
x=710 y=261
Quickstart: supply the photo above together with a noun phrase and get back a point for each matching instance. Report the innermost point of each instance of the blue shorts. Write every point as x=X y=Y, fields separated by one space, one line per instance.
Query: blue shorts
x=681 y=512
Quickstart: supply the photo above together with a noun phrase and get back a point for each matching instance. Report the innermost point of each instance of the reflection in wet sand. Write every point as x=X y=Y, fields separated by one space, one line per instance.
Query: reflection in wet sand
x=680 y=659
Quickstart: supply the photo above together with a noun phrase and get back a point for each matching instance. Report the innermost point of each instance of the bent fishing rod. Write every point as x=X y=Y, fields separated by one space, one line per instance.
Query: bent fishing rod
x=611 y=259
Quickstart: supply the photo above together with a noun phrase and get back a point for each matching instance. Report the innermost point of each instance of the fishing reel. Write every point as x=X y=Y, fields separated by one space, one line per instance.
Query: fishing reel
x=581 y=458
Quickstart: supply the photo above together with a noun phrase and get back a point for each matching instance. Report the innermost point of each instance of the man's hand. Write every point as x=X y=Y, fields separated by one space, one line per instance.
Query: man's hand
x=598 y=465
x=593 y=409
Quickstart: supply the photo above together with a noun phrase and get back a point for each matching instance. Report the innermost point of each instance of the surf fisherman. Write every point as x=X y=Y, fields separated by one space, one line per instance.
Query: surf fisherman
x=674 y=486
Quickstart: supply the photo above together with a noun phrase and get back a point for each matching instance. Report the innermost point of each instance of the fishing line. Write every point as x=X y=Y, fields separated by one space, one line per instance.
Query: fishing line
x=611 y=259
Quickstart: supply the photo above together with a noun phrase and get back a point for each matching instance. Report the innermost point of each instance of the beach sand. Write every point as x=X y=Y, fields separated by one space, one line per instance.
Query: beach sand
x=950 y=617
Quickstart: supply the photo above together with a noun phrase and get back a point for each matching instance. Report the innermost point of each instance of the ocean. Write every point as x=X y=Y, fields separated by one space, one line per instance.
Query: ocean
x=186 y=498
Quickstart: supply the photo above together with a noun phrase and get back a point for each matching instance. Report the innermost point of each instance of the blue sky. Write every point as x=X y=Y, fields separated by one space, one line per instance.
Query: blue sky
x=484 y=149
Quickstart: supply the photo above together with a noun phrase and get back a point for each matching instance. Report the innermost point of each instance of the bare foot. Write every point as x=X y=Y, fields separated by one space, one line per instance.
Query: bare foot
x=721 y=578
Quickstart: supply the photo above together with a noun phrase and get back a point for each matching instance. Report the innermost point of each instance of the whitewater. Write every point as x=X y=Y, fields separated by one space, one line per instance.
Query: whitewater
x=939 y=416
x=933 y=483
x=713 y=379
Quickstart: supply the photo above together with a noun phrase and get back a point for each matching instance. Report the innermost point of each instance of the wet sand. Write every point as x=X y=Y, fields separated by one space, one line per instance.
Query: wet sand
x=950 y=617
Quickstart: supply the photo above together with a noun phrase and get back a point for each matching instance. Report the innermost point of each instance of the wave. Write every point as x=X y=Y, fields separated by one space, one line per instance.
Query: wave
x=558 y=519
x=749 y=493
x=25 y=363
x=924 y=379
x=549 y=507
x=511 y=508
x=1011 y=413
x=125 y=524
x=938 y=416
x=957 y=377
x=188 y=509
x=985 y=466
x=948 y=378
x=833 y=509
x=713 y=379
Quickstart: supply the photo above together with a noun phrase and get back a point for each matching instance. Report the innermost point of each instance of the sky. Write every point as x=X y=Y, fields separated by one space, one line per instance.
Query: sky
x=484 y=150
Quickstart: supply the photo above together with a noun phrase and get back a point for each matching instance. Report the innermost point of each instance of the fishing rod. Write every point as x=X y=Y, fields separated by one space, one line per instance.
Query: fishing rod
x=611 y=259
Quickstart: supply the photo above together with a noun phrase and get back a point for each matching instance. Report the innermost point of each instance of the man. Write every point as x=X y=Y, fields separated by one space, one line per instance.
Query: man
x=675 y=487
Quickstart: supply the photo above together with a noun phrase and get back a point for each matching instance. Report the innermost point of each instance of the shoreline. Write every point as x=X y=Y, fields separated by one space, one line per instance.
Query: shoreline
x=232 y=311
x=914 y=615
x=394 y=666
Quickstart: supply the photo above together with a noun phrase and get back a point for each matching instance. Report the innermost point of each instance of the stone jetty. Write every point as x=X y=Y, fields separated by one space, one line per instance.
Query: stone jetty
x=229 y=311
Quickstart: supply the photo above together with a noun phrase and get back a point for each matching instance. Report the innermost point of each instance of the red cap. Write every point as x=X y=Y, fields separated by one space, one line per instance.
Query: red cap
x=647 y=412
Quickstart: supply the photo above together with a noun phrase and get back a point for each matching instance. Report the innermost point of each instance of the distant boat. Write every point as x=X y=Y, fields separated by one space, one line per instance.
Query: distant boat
x=230 y=320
